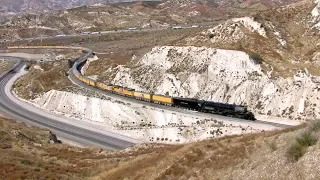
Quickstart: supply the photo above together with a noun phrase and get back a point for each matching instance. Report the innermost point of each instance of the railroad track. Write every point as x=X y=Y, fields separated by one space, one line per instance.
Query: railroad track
x=88 y=53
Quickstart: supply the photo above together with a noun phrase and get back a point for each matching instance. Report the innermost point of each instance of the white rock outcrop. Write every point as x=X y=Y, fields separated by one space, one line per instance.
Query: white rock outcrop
x=316 y=14
x=138 y=121
x=224 y=76
x=252 y=25
x=231 y=31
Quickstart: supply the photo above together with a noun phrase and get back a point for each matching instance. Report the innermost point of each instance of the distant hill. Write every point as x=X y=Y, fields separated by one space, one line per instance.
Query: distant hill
x=40 y=6
x=98 y=16
x=11 y=7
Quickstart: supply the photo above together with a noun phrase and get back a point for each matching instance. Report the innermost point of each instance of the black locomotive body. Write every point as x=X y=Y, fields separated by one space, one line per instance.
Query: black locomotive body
x=187 y=103
x=214 y=108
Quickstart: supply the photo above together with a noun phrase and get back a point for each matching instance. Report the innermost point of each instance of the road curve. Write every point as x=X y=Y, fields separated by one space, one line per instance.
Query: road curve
x=31 y=115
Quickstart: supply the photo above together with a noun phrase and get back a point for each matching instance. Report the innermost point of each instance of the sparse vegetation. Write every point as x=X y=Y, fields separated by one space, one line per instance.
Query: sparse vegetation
x=25 y=162
x=304 y=140
x=5 y=66
x=43 y=77
x=150 y=4
x=273 y=145
x=315 y=126
x=295 y=151
x=256 y=57
x=221 y=156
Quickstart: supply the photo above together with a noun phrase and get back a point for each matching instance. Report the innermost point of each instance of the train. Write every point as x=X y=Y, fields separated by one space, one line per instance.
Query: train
x=187 y=103
x=231 y=110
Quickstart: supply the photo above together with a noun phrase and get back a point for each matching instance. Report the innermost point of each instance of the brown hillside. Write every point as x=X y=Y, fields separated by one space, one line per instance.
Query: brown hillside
x=25 y=153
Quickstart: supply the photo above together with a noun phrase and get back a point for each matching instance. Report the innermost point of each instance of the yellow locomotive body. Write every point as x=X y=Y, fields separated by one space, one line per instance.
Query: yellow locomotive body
x=162 y=99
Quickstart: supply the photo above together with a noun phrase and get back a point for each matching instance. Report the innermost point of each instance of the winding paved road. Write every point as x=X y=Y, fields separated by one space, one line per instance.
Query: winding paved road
x=24 y=112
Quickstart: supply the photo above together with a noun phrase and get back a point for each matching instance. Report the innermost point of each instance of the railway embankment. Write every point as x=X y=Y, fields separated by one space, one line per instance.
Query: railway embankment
x=147 y=123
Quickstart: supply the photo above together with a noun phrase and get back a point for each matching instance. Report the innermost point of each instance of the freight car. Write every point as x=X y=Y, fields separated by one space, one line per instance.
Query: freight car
x=128 y=92
x=142 y=96
x=106 y=87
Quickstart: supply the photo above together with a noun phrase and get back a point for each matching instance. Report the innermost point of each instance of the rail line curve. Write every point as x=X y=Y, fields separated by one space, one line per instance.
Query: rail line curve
x=75 y=72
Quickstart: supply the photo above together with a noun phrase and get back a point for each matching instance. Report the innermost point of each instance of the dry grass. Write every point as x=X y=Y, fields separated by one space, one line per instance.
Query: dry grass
x=5 y=66
x=200 y=160
x=25 y=153
x=37 y=81
x=44 y=76
x=305 y=139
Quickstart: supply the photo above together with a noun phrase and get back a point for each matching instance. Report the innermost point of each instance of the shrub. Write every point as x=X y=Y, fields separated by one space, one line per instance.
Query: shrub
x=273 y=145
x=296 y=151
x=306 y=139
x=211 y=36
x=150 y=4
x=255 y=57
x=37 y=169
x=315 y=126
x=25 y=162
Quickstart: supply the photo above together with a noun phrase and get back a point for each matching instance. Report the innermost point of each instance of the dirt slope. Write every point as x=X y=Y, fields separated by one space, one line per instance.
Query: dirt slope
x=26 y=154
x=248 y=157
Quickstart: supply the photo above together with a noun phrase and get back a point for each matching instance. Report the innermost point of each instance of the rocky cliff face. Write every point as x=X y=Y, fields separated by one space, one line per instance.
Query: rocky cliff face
x=224 y=76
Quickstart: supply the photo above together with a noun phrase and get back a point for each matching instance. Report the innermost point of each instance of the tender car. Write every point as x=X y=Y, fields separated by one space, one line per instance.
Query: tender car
x=188 y=103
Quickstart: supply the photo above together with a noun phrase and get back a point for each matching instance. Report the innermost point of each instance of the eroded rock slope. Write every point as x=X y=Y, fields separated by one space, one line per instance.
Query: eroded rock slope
x=224 y=76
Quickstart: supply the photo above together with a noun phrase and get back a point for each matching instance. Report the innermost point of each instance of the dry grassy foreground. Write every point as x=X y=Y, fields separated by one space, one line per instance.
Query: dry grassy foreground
x=26 y=154
x=254 y=156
